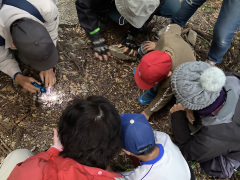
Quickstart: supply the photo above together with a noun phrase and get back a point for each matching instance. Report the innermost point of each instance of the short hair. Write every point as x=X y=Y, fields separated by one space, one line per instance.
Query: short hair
x=90 y=131
x=148 y=151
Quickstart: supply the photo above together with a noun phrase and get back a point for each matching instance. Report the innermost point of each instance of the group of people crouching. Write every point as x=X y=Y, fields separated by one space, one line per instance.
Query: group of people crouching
x=205 y=121
x=205 y=124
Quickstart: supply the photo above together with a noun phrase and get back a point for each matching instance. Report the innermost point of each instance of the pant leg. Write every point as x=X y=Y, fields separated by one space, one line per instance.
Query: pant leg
x=12 y=160
x=188 y=8
x=115 y=16
x=170 y=8
x=226 y=25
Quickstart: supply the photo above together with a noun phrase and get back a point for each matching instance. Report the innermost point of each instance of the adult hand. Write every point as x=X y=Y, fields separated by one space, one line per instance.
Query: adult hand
x=101 y=49
x=48 y=78
x=26 y=83
x=190 y=115
x=56 y=141
x=177 y=107
x=149 y=46
x=129 y=42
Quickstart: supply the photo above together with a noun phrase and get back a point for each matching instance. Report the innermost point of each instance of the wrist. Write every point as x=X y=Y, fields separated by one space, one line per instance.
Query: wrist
x=95 y=37
x=16 y=75
x=59 y=149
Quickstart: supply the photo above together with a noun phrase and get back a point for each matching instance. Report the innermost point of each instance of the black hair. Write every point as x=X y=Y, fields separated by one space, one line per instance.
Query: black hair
x=149 y=151
x=90 y=132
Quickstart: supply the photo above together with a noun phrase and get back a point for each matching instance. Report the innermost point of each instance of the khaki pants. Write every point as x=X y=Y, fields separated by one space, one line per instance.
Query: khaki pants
x=12 y=160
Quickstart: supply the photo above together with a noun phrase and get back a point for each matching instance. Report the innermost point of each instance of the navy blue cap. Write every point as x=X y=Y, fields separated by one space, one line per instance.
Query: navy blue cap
x=137 y=134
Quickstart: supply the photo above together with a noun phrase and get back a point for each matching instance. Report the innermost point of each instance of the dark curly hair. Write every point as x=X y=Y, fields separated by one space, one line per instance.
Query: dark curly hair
x=89 y=131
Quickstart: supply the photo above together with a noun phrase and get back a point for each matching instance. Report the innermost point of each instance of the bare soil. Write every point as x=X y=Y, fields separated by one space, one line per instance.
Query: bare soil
x=24 y=123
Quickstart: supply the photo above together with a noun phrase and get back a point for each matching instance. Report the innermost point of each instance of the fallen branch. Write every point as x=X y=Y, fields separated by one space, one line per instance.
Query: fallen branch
x=206 y=36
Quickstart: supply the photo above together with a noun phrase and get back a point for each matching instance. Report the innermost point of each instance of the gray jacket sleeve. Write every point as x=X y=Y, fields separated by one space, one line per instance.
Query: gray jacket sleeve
x=8 y=64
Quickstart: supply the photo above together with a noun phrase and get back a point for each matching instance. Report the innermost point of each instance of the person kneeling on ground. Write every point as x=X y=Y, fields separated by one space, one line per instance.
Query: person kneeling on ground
x=92 y=14
x=212 y=137
x=28 y=34
x=155 y=69
x=89 y=137
x=159 y=156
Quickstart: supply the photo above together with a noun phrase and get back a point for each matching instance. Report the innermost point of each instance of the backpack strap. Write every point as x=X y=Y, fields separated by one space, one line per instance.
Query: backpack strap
x=2 y=41
x=26 y=6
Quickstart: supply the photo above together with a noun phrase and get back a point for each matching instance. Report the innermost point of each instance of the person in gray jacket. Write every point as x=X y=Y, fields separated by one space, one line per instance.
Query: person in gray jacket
x=28 y=33
x=211 y=133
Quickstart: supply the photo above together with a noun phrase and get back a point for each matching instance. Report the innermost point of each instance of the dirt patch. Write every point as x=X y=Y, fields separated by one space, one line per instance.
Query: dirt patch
x=26 y=124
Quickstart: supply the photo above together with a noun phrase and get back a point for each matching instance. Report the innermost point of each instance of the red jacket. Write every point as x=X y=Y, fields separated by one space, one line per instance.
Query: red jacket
x=49 y=166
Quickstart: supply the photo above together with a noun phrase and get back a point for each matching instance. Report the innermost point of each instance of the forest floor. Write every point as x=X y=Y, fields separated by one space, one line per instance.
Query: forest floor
x=25 y=123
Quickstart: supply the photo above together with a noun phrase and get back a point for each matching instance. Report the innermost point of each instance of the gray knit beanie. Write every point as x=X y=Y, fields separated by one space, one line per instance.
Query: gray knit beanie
x=197 y=84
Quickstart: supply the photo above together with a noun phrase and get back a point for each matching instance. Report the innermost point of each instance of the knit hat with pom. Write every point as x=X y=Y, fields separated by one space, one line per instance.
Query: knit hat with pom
x=197 y=85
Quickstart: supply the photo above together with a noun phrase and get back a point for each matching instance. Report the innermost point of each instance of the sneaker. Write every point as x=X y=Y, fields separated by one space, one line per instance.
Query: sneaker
x=147 y=97
x=212 y=63
x=134 y=71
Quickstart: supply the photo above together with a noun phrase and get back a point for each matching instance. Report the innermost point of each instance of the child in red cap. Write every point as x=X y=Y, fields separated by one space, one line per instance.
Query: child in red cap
x=154 y=71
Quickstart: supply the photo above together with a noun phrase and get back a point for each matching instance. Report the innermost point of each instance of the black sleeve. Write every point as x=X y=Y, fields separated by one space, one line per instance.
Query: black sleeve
x=88 y=19
x=180 y=128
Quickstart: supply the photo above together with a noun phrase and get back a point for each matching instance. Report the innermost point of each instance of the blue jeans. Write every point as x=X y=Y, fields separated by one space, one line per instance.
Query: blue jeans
x=226 y=25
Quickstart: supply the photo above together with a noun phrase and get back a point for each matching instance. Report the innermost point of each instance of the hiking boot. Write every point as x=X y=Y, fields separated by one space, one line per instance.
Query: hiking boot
x=147 y=97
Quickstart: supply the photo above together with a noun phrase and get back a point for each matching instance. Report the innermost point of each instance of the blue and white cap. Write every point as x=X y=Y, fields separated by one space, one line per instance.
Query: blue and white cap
x=137 y=134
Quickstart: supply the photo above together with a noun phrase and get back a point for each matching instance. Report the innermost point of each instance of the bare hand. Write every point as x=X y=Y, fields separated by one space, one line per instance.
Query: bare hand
x=190 y=115
x=131 y=53
x=48 y=78
x=149 y=46
x=147 y=117
x=26 y=83
x=103 y=56
x=177 y=107
x=56 y=141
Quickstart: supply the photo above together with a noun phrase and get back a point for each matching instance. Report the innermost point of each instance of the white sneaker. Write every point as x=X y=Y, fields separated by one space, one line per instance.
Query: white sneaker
x=210 y=62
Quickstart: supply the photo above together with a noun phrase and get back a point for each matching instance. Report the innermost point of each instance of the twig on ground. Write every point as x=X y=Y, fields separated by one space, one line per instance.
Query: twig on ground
x=21 y=118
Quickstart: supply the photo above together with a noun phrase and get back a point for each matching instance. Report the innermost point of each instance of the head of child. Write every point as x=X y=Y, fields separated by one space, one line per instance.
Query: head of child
x=154 y=67
x=137 y=135
x=34 y=43
x=199 y=86
x=89 y=131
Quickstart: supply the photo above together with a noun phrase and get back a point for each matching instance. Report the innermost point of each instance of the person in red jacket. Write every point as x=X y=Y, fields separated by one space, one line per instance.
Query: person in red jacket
x=88 y=138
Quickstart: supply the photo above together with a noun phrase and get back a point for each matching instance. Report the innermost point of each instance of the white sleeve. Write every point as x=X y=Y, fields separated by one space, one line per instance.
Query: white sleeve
x=130 y=175
x=8 y=64
x=50 y=14
x=52 y=21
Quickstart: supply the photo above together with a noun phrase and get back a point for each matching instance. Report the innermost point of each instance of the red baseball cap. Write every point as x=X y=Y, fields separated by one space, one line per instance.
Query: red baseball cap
x=153 y=68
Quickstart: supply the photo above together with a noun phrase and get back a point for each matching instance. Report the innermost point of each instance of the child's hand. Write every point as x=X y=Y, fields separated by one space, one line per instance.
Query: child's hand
x=177 y=107
x=190 y=115
x=149 y=46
